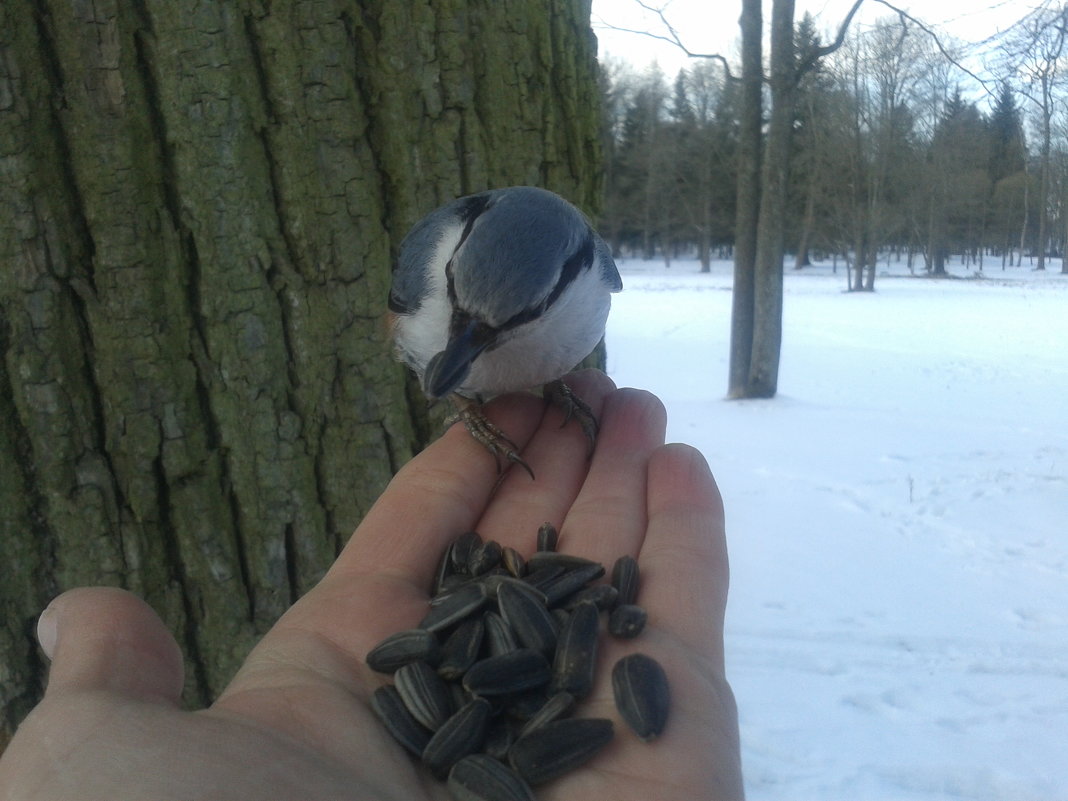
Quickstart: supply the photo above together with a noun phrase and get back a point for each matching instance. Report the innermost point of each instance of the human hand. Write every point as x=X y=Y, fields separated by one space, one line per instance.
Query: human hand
x=295 y=721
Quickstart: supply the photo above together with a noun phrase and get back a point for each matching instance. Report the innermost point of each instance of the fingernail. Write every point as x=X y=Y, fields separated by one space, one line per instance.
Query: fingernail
x=47 y=630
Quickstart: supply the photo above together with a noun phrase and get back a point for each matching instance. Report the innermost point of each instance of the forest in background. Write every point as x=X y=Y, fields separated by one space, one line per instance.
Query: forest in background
x=897 y=147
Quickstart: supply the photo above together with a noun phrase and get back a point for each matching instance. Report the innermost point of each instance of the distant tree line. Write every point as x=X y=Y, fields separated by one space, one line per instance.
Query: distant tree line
x=890 y=153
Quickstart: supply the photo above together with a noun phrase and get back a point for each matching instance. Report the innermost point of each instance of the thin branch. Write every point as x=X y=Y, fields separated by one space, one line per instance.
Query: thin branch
x=673 y=38
x=952 y=59
x=825 y=50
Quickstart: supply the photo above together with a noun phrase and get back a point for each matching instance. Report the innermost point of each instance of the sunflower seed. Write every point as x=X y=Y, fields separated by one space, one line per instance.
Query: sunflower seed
x=565 y=560
x=424 y=693
x=542 y=576
x=555 y=707
x=571 y=581
x=462 y=546
x=513 y=562
x=462 y=734
x=484 y=558
x=459 y=695
x=626 y=621
x=515 y=671
x=406 y=730
x=401 y=648
x=525 y=705
x=560 y=616
x=532 y=623
x=454 y=607
x=641 y=692
x=558 y=747
x=449 y=585
x=482 y=778
x=604 y=596
x=547 y=537
x=461 y=649
x=444 y=570
x=499 y=738
x=500 y=638
x=576 y=652
x=493 y=583
x=625 y=579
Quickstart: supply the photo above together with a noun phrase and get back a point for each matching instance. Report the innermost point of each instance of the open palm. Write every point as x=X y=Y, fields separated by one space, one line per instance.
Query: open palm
x=295 y=721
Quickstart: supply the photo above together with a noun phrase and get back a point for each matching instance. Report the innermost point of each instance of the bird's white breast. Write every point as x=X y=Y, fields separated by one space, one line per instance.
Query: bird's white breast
x=544 y=349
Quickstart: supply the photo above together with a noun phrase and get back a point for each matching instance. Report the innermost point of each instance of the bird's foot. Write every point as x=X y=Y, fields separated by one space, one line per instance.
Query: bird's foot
x=561 y=395
x=483 y=431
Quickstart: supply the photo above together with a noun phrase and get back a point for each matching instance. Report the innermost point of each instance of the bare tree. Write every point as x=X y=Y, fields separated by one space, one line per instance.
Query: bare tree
x=1034 y=51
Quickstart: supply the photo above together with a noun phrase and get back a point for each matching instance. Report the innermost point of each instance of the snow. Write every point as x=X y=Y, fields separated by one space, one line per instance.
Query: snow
x=898 y=619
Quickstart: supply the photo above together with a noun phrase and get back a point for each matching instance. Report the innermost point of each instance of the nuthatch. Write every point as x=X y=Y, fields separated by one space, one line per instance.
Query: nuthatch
x=502 y=291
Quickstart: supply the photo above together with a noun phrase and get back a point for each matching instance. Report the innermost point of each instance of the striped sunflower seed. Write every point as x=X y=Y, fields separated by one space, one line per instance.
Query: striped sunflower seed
x=515 y=671
x=460 y=551
x=540 y=577
x=565 y=560
x=576 y=652
x=558 y=747
x=625 y=579
x=411 y=645
x=484 y=558
x=502 y=733
x=461 y=649
x=513 y=561
x=571 y=581
x=532 y=623
x=626 y=621
x=482 y=778
x=406 y=730
x=454 y=607
x=500 y=639
x=462 y=734
x=424 y=693
x=641 y=693
x=547 y=537
x=557 y=706
x=603 y=595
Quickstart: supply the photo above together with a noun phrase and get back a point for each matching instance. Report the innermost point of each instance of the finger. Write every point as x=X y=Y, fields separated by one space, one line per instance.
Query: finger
x=559 y=455
x=608 y=517
x=434 y=498
x=380 y=582
x=683 y=559
x=102 y=638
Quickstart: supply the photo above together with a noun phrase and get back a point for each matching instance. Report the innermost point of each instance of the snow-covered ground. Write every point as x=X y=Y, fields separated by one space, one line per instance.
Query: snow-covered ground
x=897 y=520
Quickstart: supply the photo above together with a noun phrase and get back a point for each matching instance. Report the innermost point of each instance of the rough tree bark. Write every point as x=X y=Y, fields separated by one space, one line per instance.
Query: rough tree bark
x=750 y=120
x=767 y=301
x=756 y=320
x=198 y=206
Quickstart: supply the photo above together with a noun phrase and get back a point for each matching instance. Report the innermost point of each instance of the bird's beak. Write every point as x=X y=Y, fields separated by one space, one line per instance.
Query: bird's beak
x=447 y=369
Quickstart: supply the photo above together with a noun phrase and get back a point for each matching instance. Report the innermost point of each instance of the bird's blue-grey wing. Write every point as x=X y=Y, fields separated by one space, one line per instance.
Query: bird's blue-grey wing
x=606 y=264
x=517 y=252
x=419 y=247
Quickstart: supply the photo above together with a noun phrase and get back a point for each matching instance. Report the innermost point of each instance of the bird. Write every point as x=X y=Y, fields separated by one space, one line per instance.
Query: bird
x=501 y=291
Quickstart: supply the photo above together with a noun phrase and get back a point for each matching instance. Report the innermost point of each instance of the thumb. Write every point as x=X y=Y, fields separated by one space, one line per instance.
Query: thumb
x=102 y=638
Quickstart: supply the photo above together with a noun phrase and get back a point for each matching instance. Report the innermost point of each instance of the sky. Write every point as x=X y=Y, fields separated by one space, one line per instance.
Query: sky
x=711 y=26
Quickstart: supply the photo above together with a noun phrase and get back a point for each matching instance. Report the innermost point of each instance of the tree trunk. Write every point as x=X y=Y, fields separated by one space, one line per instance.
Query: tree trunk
x=767 y=329
x=808 y=222
x=743 y=296
x=198 y=207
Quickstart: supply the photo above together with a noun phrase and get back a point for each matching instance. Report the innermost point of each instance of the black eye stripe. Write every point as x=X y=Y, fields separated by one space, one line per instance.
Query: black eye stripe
x=581 y=259
x=472 y=209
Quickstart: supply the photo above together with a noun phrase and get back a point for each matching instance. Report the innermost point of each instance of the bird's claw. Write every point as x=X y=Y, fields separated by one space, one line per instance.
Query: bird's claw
x=491 y=437
x=561 y=395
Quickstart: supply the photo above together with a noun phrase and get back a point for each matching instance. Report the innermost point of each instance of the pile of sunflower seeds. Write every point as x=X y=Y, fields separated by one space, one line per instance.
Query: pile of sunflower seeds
x=483 y=688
